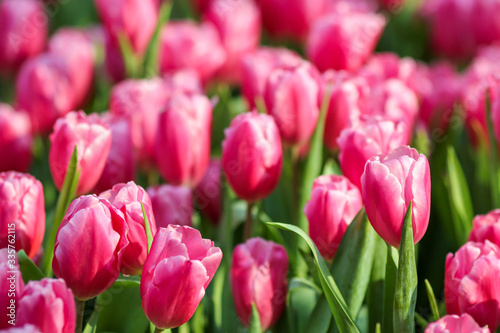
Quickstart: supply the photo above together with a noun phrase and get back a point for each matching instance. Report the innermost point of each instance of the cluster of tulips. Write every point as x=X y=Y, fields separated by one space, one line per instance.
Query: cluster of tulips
x=151 y=210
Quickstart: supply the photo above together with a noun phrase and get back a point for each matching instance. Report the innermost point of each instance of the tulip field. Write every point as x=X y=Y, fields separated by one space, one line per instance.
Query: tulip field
x=233 y=166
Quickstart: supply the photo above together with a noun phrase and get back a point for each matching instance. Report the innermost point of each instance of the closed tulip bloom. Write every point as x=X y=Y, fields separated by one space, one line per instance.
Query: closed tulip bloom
x=383 y=66
x=470 y=284
x=344 y=41
x=127 y=198
x=22 y=207
x=182 y=144
x=93 y=140
x=11 y=286
x=184 y=80
x=96 y=233
x=23 y=32
x=292 y=98
x=49 y=305
x=334 y=203
x=456 y=324
x=370 y=137
x=389 y=183
x=486 y=227
x=15 y=139
x=258 y=275
x=113 y=61
x=176 y=274
x=185 y=44
x=171 y=205
x=208 y=193
x=251 y=155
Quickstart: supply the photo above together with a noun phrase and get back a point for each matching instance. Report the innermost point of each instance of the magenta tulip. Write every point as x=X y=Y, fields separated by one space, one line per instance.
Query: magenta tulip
x=258 y=275
x=383 y=66
x=89 y=246
x=495 y=113
x=176 y=274
x=182 y=144
x=486 y=227
x=334 y=203
x=93 y=140
x=251 y=155
x=389 y=183
x=456 y=324
x=49 y=305
x=172 y=205
x=11 y=286
x=22 y=211
x=208 y=193
x=15 y=139
x=127 y=198
x=113 y=62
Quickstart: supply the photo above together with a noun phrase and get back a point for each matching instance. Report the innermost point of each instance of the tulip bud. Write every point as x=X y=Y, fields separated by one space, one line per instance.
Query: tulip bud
x=251 y=155
x=15 y=139
x=127 y=198
x=49 y=305
x=171 y=205
x=183 y=139
x=209 y=192
x=93 y=140
x=456 y=324
x=334 y=203
x=96 y=232
x=486 y=227
x=389 y=183
x=11 y=285
x=176 y=274
x=470 y=283
x=258 y=275
x=291 y=97
x=371 y=136
x=23 y=32
x=344 y=41
x=22 y=210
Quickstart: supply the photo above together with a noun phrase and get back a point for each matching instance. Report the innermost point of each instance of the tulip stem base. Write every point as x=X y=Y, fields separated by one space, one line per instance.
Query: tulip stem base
x=80 y=307
x=248 y=223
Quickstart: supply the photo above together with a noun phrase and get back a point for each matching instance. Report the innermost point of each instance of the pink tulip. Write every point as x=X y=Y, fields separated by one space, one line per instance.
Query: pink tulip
x=186 y=45
x=22 y=210
x=11 y=286
x=120 y=165
x=470 y=284
x=383 y=66
x=456 y=324
x=208 y=193
x=389 y=183
x=256 y=67
x=127 y=198
x=185 y=80
x=89 y=246
x=258 y=275
x=238 y=24
x=49 y=305
x=113 y=61
x=15 y=139
x=292 y=98
x=182 y=144
x=351 y=6
x=252 y=156
x=495 y=112
x=176 y=274
x=23 y=32
x=93 y=140
x=344 y=41
x=334 y=203
x=368 y=138
x=172 y=205
x=486 y=227
x=394 y=6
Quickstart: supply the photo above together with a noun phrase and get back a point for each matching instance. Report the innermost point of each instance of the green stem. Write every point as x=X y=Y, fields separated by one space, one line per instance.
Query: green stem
x=248 y=223
x=391 y=271
x=80 y=307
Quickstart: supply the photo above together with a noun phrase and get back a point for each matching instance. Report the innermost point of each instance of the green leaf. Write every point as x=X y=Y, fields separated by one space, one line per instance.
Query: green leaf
x=376 y=288
x=91 y=326
x=391 y=268
x=378 y=328
x=405 y=296
x=255 y=325
x=432 y=300
x=147 y=226
x=301 y=299
x=29 y=270
x=152 y=53
x=130 y=59
x=332 y=293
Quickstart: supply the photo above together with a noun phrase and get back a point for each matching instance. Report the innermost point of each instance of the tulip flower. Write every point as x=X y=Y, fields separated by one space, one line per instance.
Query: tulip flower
x=486 y=227
x=456 y=324
x=292 y=98
x=208 y=193
x=370 y=137
x=258 y=276
x=470 y=283
x=15 y=139
x=93 y=140
x=89 y=246
x=176 y=274
x=389 y=184
x=495 y=113
x=49 y=305
x=334 y=203
x=182 y=144
x=127 y=198
x=344 y=41
x=251 y=155
x=22 y=210
x=113 y=61
x=172 y=205
x=23 y=32
x=11 y=286
x=383 y=66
